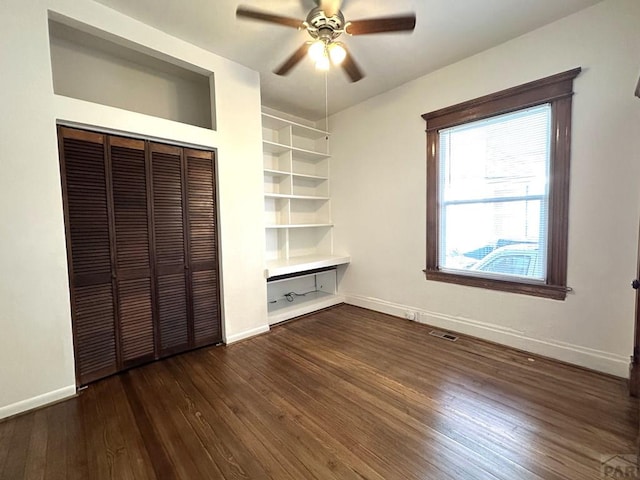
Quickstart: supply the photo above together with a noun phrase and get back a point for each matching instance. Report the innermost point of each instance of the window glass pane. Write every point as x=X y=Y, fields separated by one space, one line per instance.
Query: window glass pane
x=494 y=195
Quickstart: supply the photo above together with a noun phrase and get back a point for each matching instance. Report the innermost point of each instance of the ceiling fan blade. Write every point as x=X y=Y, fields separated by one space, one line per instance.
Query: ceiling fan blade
x=268 y=17
x=293 y=60
x=351 y=68
x=381 y=25
x=330 y=7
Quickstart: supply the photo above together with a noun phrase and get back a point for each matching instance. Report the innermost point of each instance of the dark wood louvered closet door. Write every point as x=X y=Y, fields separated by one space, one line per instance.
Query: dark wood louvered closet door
x=203 y=255
x=89 y=250
x=141 y=227
x=132 y=250
x=170 y=245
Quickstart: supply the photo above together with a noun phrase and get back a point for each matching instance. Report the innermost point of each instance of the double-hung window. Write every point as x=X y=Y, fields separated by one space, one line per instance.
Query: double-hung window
x=498 y=189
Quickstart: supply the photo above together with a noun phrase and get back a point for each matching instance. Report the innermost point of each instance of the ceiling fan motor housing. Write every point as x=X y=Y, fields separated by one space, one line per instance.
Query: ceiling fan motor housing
x=324 y=28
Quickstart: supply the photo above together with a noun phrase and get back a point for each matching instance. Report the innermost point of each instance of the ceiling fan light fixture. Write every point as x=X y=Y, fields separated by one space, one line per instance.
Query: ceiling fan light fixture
x=337 y=53
x=323 y=63
x=318 y=51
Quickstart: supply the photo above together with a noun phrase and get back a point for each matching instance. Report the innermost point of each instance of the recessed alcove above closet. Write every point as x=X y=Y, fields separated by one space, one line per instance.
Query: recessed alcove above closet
x=91 y=68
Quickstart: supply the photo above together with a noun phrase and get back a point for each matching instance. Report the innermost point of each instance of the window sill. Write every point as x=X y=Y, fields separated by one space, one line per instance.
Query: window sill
x=554 y=292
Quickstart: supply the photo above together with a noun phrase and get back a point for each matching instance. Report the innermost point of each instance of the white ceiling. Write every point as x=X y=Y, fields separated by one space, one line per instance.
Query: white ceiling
x=446 y=31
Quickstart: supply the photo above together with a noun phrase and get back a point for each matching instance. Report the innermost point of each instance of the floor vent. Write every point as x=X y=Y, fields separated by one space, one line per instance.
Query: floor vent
x=446 y=336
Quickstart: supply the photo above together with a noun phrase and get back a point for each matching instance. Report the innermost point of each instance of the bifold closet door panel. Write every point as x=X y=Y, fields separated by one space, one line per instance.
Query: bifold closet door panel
x=170 y=248
x=133 y=254
x=203 y=246
x=85 y=195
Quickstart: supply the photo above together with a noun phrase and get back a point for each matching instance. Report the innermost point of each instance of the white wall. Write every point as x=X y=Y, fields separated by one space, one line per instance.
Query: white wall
x=36 y=352
x=378 y=190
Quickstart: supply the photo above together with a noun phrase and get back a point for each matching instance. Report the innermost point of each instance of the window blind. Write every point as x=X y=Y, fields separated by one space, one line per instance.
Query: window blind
x=493 y=195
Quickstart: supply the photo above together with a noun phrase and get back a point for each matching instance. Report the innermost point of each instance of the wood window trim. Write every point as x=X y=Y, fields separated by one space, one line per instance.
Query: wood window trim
x=557 y=90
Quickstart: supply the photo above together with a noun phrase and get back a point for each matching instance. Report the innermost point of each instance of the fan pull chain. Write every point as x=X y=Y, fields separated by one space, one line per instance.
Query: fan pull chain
x=326 y=107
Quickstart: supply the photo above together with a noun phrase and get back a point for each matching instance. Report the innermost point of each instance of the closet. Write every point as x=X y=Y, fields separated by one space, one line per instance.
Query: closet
x=141 y=233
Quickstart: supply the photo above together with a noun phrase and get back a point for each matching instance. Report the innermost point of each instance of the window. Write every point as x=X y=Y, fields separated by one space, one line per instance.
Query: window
x=498 y=189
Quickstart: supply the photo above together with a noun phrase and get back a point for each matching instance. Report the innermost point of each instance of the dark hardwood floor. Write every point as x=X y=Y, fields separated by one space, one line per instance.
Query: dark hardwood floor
x=344 y=393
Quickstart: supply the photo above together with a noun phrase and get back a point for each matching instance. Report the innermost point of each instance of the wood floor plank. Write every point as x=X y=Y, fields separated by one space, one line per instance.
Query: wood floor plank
x=185 y=452
x=220 y=461
x=6 y=432
x=112 y=437
x=267 y=389
x=240 y=418
x=237 y=452
x=548 y=446
x=351 y=427
x=491 y=381
x=15 y=463
x=299 y=442
x=59 y=460
x=387 y=393
x=345 y=393
x=66 y=449
x=399 y=428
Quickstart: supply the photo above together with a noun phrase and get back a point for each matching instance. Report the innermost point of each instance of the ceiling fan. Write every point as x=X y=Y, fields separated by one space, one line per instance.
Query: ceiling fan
x=325 y=23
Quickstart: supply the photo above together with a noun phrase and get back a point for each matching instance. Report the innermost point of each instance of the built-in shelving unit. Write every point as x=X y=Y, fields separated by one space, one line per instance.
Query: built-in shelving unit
x=299 y=229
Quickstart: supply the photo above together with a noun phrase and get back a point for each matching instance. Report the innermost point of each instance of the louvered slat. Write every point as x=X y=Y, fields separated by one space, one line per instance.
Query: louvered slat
x=172 y=309
x=168 y=211
x=87 y=207
x=206 y=321
x=202 y=229
x=130 y=207
x=136 y=320
x=203 y=246
x=95 y=346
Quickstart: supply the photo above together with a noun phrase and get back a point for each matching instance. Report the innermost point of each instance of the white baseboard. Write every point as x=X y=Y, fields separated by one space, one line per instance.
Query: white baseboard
x=575 y=354
x=236 y=337
x=38 y=401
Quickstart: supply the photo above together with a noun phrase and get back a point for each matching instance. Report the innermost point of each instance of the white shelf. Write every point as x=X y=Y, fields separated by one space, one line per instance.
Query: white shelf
x=276 y=123
x=301 y=225
x=276 y=173
x=278 y=148
x=303 y=263
x=273 y=147
x=282 y=173
x=295 y=197
x=283 y=310
x=312 y=177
